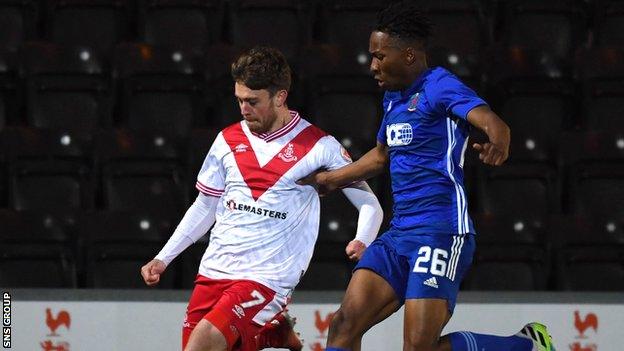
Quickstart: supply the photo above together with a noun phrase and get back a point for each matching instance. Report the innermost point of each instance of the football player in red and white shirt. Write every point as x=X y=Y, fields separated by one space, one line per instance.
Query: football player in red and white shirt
x=265 y=224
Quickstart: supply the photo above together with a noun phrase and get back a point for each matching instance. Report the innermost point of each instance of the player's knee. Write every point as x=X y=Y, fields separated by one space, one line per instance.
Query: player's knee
x=206 y=337
x=342 y=324
x=419 y=343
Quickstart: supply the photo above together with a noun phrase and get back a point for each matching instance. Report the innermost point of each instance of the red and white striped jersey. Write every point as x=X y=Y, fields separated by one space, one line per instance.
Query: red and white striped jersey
x=266 y=225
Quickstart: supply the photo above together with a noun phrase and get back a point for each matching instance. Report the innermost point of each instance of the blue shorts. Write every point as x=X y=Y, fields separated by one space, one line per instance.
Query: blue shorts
x=420 y=266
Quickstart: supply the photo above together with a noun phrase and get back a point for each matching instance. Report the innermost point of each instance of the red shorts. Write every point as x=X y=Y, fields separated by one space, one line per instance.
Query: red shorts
x=238 y=308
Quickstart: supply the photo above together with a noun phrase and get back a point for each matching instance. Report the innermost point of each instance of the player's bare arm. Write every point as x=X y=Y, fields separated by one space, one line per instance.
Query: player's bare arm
x=496 y=151
x=368 y=166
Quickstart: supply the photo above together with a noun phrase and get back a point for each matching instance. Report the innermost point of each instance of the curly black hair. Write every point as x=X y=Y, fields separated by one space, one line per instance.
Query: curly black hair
x=263 y=68
x=404 y=20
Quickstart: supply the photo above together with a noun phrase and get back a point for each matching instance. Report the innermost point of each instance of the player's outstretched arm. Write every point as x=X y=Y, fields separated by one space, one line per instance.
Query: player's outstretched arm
x=369 y=219
x=368 y=166
x=196 y=222
x=496 y=151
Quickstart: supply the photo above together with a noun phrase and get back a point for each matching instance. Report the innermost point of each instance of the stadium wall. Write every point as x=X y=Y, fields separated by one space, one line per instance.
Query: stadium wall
x=64 y=320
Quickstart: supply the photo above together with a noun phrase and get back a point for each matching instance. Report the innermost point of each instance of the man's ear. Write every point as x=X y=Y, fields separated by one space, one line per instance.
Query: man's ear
x=280 y=98
x=410 y=55
x=413 y=55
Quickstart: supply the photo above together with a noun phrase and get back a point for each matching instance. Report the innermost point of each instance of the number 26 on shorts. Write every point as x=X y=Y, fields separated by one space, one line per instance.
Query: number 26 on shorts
x=436 y=258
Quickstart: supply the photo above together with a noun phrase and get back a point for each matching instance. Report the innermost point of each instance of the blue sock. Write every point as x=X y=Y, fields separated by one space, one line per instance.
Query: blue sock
x=335 y=349
x=467 y=341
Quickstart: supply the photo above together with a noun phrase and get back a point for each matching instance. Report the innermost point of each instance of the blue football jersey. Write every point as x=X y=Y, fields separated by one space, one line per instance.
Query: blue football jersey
x=426 y=130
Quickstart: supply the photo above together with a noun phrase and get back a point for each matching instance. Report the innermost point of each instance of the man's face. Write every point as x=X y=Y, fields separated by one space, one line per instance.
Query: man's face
x=389 y=62
x=257 y=107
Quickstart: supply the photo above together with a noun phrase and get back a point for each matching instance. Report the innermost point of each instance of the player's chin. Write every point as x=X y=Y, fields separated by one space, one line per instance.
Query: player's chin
x=254 y=126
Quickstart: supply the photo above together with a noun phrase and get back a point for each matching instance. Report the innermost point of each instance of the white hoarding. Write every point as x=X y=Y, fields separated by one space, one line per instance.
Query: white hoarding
x=106 y=326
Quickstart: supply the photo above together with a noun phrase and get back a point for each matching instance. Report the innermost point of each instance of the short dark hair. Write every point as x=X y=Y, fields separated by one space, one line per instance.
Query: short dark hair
x=262 y=68
x=405 y=21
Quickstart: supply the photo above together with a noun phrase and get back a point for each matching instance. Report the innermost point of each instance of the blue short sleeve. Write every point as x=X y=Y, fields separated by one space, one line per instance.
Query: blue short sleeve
x=452 y=96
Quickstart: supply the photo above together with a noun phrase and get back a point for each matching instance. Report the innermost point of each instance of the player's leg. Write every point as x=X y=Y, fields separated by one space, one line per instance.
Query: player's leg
x=437 y=264
x=533 y=337
x=424 y=320
x=375 y=291
x=206 y=337
x=205 y=295
x=241 y=310
x=367 y=296
x=280 y=333
x=431 y=292
x=383 y=314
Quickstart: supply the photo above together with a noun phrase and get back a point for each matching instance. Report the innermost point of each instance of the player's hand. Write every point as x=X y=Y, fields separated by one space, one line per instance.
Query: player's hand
x=318 y=180
x=355 y=250
x=491 y=154
x=152 y=270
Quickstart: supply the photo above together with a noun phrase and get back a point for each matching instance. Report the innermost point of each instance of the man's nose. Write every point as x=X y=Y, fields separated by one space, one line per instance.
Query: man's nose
x=374 y=66
x=244 y=107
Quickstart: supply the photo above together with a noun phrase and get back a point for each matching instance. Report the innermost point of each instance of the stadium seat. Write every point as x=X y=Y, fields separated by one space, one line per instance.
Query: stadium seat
x=602 y=71
x=511 y=254
x=161 y=90
x=10 y=94
x=279 y=23
x=590 y=252
x=554 y=26
x=98 y=24
x=142 y=171
x=67 y=88
x=358 y=16
x=186 y=25
x=49 y=170
x=529 y=189
x=200 y=142
x=609 y=21
x=460 y=32
x=19 y=20
x=341 y=95
x=326 y=275
x=221 y=102
x=338 y=219
x=595 y=172
x=533 y=92
x=119 y=243
x=35 y=252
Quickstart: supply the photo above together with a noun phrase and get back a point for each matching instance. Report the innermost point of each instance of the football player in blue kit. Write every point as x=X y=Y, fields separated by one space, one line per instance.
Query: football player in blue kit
x=420 y=261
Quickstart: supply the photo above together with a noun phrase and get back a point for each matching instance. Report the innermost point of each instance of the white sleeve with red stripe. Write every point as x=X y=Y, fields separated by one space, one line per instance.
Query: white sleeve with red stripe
x=211 y=177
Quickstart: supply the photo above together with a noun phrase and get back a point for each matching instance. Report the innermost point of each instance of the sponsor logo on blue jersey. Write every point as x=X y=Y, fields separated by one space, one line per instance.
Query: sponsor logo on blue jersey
x=399 y=134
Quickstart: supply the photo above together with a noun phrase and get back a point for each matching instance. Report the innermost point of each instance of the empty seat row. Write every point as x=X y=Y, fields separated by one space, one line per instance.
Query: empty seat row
x=107 y=249
x=158 y=90
x=464 y=26
x=122 y=170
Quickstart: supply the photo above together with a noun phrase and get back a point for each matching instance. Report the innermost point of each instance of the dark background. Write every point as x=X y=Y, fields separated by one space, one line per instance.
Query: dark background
x=107 y=109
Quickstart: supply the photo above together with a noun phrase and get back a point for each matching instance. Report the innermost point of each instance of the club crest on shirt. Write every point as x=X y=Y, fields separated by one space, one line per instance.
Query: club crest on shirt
x=413 y=102
x=288 y=154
